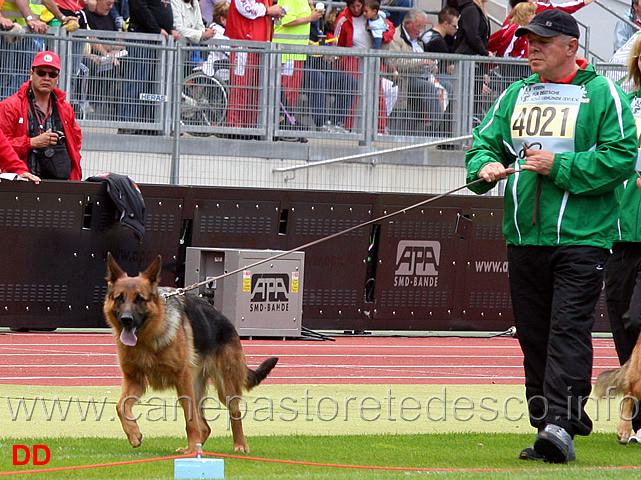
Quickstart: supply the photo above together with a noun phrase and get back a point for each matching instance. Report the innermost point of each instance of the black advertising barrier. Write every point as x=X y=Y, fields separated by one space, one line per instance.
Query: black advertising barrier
x=437 y=267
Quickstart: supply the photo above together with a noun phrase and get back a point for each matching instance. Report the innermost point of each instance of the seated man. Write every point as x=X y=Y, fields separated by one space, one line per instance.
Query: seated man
x=420 y=97
x=441 y=38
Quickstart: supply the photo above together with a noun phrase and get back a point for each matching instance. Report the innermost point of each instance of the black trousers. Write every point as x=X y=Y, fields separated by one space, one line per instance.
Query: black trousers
x=554 y=294
x=623 y=294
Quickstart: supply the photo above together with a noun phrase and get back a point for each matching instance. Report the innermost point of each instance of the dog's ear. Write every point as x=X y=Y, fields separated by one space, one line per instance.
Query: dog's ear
x=114 y=272
x=153 y=272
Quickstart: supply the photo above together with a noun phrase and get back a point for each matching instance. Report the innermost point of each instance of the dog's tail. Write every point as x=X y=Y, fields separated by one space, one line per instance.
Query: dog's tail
x=612 y=381
x=254 y=377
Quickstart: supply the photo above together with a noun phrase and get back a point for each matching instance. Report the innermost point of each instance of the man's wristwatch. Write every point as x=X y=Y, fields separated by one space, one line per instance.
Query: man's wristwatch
x=28 y=18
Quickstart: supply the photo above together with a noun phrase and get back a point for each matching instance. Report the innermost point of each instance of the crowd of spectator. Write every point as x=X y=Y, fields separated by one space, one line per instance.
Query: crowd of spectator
x=420 y=90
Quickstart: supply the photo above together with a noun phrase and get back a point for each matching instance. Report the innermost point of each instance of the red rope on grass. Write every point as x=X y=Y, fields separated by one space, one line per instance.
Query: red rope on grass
x=98 y=465
x=406 y=469
x=314 y=464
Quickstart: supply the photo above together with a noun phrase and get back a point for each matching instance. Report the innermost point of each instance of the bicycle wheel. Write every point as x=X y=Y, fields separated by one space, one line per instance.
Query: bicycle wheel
x=203 y=102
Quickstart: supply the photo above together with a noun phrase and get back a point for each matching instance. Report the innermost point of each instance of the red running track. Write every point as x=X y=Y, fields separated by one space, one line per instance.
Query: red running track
x=89 y=359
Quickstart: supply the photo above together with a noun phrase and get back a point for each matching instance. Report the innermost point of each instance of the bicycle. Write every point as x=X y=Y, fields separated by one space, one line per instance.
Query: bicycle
x=204 y=101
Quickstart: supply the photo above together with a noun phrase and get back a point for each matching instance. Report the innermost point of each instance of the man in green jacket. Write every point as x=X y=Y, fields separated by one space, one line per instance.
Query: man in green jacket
x=565 y=139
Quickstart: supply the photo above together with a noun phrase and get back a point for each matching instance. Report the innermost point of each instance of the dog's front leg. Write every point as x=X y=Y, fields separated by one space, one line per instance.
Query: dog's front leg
x=131 y=393
x=187 y=400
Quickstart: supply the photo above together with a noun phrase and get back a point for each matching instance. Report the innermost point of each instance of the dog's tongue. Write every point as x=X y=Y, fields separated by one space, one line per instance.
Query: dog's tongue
x=128 y=337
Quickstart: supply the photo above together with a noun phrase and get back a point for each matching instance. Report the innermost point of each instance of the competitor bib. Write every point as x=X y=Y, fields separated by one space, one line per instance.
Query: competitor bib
x=546 y=113
x=636 y=111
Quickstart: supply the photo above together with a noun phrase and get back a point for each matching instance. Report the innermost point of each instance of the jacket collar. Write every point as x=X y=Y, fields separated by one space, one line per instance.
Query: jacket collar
x=584 y=75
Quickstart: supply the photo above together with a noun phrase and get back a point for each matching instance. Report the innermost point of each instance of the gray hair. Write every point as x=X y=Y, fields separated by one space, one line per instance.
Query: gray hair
x=414 y=14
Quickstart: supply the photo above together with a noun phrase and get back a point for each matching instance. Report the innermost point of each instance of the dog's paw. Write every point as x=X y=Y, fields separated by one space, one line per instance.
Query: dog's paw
x=135 y=440
x=623 y=438
x=241 y=447
x=187 y=450
x=624 y=431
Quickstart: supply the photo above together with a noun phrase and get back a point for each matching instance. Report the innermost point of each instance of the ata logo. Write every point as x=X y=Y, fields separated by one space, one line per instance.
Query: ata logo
x=417 y=258
x=267 y=287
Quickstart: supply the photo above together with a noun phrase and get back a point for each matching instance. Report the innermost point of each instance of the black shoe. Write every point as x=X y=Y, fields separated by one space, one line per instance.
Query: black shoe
x=555 y=444
x=528 y=453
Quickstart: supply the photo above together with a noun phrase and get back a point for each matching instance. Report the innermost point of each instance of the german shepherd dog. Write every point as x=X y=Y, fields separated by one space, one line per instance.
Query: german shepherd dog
x=626 y=380
x=178 y=342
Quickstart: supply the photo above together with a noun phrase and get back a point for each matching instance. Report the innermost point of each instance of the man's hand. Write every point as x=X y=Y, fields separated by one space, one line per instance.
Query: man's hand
x=494 y=171
x=538 y=161
x=275 y=11
x=44 y=139
x=316 y=15
x=6 y=23
x=30 y=176
x=208 y=33
x=639 y=183
x=70 y=24
x=37 y=26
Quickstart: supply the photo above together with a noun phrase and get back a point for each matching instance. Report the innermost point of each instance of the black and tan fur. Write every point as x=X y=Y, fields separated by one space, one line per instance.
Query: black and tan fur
x=180 y=343
x=624 y=380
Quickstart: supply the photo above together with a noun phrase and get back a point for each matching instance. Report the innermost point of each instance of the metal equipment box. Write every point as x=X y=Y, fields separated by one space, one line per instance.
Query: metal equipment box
x=264 y=300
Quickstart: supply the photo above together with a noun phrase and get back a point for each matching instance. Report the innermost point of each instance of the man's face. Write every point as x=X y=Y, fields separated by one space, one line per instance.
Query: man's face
x=41 y=80
x=356 y=9
x=103 y=6
x=547 y=55
x=451 y=26
x=637 y=9
x=415 y=28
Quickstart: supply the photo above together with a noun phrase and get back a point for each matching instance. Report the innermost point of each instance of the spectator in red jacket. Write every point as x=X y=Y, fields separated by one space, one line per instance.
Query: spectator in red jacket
x=247 y=20
x=40 y=124
x=503 y=42
x=351 y=31
x=11 y=163
x=568 y=6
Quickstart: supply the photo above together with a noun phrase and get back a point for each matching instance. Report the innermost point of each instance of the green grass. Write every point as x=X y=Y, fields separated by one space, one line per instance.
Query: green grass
x=596 y=455
x=447 y=439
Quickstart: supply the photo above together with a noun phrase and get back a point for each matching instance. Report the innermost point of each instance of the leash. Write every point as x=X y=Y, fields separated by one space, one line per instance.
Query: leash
x=182 y=291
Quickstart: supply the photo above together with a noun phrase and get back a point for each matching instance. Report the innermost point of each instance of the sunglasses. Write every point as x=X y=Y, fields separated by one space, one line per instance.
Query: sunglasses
x=44 y=73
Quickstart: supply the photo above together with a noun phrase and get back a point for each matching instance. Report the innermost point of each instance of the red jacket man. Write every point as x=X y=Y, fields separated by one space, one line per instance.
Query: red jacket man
x=14 y=114
x=247 y=20
x=250 y=20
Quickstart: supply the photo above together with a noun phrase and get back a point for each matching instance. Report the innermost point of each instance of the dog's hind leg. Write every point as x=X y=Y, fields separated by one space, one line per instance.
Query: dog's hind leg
x=231 y=377
x=627 y=412
x=132 y=390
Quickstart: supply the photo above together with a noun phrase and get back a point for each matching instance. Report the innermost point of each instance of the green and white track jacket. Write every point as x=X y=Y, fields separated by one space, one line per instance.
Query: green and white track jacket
x=589 y=127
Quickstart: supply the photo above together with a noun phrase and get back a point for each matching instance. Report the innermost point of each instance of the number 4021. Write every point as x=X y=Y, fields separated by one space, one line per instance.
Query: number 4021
x=541 y=122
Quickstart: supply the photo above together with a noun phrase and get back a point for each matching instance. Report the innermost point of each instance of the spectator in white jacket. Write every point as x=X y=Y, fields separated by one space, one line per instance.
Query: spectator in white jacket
x=188 y=21
x=623 y=30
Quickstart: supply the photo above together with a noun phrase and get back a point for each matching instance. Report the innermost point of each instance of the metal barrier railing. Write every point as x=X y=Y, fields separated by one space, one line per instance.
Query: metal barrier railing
x=235 y=89
x=345 y=102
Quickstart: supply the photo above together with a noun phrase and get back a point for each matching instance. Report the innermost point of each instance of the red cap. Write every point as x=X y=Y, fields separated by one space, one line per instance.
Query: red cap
x=47 y=58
